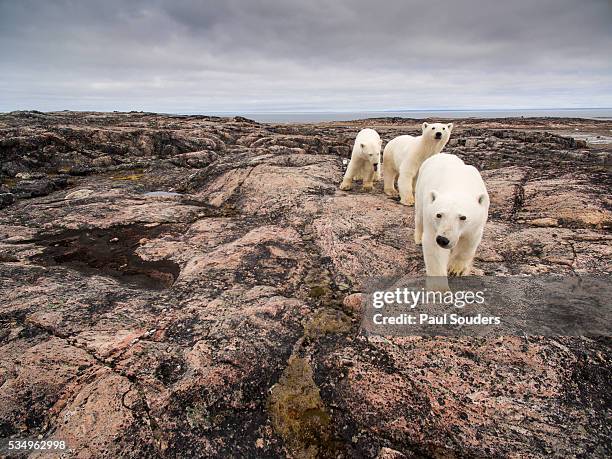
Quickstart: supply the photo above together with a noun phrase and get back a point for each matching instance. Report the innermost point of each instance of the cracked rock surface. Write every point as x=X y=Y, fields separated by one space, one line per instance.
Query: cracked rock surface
x=188 y=286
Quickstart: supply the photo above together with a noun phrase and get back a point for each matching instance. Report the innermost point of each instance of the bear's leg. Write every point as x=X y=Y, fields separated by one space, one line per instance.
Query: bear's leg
x=462 y=257
x=368 y=177
x=404 y=186
x=378 y=173
x=418 y=223
x=389 y=176
x=347 y=181
x=436 y=258
x=414 y=181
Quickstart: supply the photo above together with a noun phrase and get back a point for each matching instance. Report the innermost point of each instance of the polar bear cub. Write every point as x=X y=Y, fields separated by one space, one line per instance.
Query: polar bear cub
x=404 y=155
x=364 y=160
x=451 y=209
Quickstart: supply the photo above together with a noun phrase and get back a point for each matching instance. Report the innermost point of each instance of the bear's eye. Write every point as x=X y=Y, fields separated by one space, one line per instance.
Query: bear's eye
x=438 y=215
x=463 y=217
x=444 y=129
x=432 y=128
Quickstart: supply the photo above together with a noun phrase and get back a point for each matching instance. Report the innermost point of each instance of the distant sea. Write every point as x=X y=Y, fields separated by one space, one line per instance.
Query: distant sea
x=317 y=117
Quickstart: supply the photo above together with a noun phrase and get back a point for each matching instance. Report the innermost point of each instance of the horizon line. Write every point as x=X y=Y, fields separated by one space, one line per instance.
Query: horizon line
x=317 y=111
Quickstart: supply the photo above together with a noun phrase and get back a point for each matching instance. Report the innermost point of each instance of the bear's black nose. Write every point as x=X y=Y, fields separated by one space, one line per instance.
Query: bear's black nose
x=442 y=241
x=438 y=135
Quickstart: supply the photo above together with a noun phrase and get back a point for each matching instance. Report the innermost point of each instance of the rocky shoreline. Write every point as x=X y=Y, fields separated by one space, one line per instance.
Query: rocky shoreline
x=182 y=286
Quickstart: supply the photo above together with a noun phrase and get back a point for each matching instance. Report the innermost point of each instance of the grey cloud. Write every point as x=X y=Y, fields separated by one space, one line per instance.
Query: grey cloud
x=246 y=55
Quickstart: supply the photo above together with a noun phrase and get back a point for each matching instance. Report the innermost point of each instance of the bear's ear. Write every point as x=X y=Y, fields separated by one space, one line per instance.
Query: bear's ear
x=450 y=126
x=482 y=199
x=433 y=195
x=424 y=126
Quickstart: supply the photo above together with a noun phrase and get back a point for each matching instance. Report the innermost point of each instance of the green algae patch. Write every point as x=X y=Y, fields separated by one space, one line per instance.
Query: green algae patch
x=128 y=178
x=298 y=413
x=319 y=282
x=133 y=175
x=319 y=291
x=325 y=321
x=10 y=182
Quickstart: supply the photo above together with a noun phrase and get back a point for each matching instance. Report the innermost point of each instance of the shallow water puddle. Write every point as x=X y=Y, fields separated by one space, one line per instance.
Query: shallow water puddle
x=162 y=194
x=111 y=252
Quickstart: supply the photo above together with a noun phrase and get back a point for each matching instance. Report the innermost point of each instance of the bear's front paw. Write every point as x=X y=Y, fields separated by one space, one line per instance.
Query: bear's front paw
x=407 y=201
x=345 y=186
x=367 y=187
x=458 y=269
x=390 y=192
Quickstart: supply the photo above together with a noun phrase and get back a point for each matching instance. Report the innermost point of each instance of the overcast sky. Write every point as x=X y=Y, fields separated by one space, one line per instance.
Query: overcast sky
x=258 y=55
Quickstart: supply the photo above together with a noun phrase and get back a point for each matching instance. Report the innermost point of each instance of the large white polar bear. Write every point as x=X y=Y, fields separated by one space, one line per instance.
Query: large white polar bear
x=450 y=212
x=364 y=160
x=404 y=155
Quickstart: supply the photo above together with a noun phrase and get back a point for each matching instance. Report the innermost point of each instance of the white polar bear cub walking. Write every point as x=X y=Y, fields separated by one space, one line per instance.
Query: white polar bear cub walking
x=364 y=160
x=451 y=209
x=404 y=155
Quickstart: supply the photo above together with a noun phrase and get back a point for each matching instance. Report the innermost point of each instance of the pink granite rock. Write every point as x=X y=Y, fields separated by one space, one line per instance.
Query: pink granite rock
x=219 y=315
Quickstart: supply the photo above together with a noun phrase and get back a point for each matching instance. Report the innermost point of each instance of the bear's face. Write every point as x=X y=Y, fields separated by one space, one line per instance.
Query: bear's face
x=451 y=217
x=371 y=152
x=437 y=132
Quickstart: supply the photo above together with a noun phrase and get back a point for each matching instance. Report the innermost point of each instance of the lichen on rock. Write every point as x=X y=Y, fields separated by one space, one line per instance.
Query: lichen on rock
x=298 y=414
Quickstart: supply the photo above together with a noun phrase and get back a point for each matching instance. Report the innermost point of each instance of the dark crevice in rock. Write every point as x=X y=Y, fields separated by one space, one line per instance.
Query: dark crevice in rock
x=297 y=412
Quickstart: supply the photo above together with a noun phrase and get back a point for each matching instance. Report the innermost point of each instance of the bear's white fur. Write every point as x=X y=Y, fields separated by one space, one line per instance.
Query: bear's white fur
x=364 y=160
x=451 y=209
x=404 y=155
